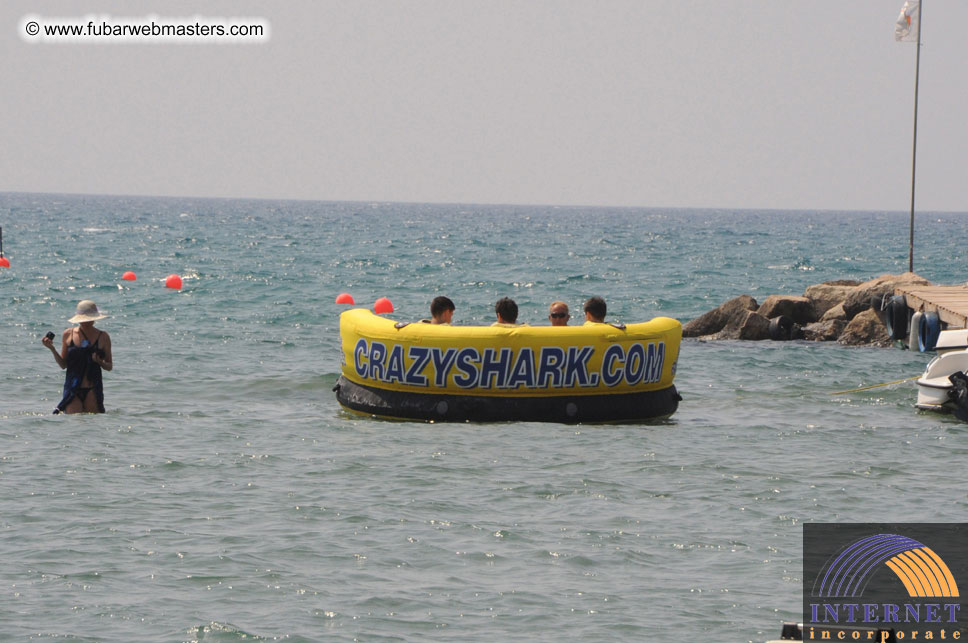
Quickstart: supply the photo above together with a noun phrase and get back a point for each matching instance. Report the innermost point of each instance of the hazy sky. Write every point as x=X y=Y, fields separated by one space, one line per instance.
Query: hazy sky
x=686 y=103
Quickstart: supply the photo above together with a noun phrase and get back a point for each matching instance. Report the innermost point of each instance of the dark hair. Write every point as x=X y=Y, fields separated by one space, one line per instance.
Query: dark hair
x=439 y=305
x=596 y=306
x=506 y=309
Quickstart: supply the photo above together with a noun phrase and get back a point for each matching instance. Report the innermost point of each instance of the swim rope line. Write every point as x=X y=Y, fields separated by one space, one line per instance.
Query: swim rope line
x=867 y=388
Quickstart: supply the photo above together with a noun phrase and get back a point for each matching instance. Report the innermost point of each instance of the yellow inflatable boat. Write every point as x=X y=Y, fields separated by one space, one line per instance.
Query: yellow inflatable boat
x=590 y=373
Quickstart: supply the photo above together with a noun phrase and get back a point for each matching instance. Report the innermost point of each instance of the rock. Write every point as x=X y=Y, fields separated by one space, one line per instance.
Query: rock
x=746 y=324
x=865 y=329
x=825 y=331
x=828 y=294
x=844 y=308
x=716 y=319
x=860 y=296
x=799 y=309
x=837 y=312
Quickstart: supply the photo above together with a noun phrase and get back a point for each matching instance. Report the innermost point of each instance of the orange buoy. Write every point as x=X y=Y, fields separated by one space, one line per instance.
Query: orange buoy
x=4 y=262
x=344 y=298
x=174 y=282
x=382 y=305
x=129 y=276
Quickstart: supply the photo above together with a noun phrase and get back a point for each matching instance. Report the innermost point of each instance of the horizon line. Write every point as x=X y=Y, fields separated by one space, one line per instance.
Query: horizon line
x=474 y=203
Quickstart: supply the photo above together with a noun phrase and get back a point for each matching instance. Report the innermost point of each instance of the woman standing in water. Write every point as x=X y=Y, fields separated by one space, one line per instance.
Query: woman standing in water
x=85 y=350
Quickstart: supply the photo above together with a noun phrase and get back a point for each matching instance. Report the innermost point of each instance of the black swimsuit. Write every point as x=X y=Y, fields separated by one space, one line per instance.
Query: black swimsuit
x=79 y=365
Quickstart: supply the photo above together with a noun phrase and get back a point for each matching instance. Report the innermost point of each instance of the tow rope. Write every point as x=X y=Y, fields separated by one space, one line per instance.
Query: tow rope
x=865 y=388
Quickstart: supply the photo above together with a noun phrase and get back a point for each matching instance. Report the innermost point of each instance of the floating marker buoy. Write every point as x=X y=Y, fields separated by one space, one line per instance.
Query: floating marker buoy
x=382 y=305
x=4 y=262
x=129 y=276
x=344 y=298
x=174 y=282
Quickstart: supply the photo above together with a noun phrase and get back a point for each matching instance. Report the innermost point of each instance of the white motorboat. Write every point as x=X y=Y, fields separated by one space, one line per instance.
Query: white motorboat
x=944 y=384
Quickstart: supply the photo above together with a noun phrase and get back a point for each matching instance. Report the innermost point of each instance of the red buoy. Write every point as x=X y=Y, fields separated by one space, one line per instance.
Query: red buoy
x=174 y=282
x=129 y=276
x=4 y=262
x=382 y=305
x=344 y=298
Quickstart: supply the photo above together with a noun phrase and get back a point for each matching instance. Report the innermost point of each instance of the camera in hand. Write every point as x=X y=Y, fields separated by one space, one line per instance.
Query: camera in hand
x=49 y=335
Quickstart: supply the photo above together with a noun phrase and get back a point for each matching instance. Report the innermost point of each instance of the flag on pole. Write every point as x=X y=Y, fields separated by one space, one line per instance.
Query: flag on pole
x=906 y=29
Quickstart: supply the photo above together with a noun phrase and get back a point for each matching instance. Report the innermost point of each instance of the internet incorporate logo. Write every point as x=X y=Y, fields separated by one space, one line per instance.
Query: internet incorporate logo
x=922 y=571
x=884 y=582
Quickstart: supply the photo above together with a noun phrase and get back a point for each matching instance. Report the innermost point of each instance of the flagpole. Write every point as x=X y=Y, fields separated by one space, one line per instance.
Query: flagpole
x=914 y=147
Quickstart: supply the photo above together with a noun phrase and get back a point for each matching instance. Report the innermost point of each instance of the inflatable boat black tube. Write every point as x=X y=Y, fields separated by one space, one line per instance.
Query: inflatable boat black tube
x=565 y=409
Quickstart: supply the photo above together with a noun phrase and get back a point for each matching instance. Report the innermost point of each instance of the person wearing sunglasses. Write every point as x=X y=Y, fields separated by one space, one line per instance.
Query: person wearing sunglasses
x=558 y=314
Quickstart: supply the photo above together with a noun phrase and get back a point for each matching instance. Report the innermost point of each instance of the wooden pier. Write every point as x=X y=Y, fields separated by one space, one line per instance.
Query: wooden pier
x=950 y=302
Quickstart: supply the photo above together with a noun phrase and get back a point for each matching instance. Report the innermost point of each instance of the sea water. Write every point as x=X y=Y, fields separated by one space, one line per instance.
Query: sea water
x=225 y=496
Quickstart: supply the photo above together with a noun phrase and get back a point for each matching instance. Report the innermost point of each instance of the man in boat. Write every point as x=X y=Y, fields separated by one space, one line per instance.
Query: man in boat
x=558 y=314
x=441 y=310
x=507 y=312
x=595 y=311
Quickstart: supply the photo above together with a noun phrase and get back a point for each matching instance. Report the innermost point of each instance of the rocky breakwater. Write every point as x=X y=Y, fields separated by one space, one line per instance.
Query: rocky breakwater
x=845 y=311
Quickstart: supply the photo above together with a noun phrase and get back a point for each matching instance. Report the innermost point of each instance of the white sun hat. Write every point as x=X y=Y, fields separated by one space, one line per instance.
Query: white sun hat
x=86 y=312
